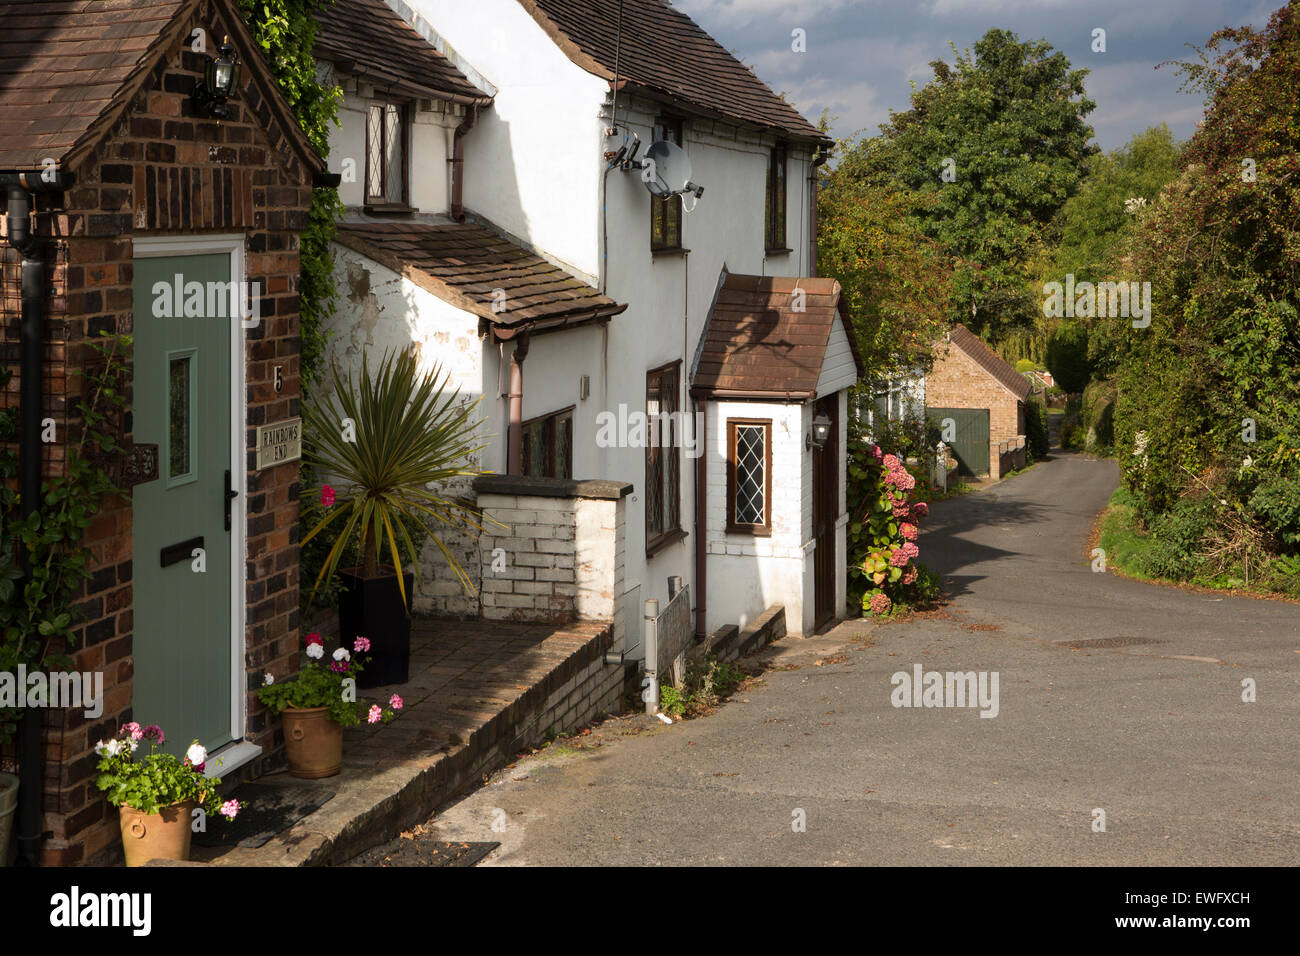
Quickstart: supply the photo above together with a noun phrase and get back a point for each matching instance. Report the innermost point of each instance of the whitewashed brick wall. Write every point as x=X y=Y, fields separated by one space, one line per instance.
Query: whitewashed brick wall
x=563 y=545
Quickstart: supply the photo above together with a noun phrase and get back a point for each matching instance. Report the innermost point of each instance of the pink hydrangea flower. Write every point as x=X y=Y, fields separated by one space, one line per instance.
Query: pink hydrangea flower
x=908 y=531
x=361 y=645
x=876 y=452
x=890 y=462
x=395 y=702
x=327 y=496
x=902 y=510
x=898 y=558
x=909 y=576
x=880 y=604
x=375 y=714
x=229 y=809
x=921 y=509
x=133 y=729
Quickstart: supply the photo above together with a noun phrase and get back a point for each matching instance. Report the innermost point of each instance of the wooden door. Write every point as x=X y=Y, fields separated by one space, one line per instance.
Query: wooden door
x=826 y=500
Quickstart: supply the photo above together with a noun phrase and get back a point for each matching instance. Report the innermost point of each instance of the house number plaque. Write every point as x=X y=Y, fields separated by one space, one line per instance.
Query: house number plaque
x=279 y=443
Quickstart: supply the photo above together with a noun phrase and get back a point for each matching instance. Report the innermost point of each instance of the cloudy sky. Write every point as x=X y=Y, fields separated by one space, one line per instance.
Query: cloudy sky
x=862 y=54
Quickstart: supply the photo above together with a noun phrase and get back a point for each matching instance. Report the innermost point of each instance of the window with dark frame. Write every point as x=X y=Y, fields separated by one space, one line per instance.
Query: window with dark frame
x=774 y=215
x=548 y=445
x=749 y=476
x=666 y=214
x=663 y=456
x=386 y=130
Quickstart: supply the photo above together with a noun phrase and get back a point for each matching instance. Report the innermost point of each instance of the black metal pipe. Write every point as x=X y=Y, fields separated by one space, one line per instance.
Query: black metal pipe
x=20 y=186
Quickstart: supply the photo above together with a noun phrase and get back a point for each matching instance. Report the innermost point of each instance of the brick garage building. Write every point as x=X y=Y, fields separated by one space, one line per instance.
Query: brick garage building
x=99 y=91
x=969 y=378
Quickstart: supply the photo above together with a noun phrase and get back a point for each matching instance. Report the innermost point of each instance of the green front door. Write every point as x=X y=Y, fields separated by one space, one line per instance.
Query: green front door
x=968 y=437
x=182 y=394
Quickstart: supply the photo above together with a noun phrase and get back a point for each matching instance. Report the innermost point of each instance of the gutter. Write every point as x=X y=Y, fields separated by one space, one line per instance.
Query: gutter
x=20 y=188
x=823 y=154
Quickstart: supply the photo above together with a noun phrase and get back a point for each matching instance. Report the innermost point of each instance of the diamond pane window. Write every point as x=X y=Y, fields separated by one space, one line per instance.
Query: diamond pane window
x=749 y=476
x=385 y=154
x=548 y=445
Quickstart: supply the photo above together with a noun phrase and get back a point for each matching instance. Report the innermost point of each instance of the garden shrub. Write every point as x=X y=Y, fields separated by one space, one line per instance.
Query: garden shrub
x=1097 y=415
x=884 y=520
x=1176 y=538
x=1036 y=431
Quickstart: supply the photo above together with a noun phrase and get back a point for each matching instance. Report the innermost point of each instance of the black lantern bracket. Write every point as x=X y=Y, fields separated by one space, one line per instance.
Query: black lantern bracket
x=212 y=94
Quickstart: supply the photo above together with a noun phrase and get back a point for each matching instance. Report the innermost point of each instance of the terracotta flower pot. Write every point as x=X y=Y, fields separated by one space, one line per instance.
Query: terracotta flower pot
x=164 y=835
x=313 y=742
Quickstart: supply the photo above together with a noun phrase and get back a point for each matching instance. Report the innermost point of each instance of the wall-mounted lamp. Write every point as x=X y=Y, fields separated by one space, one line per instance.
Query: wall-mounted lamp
x=220 y=80
x=821 y=432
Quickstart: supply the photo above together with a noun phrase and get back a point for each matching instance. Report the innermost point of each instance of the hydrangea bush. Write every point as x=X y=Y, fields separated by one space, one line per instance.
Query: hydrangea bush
x=884 y=524
x=331 y=685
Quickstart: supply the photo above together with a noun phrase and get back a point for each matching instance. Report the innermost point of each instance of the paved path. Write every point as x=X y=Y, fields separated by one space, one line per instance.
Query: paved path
x=1156 y=734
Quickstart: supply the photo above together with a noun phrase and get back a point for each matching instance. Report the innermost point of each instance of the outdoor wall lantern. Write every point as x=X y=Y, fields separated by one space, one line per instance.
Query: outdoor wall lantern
x=219 y=82
x=821 y=432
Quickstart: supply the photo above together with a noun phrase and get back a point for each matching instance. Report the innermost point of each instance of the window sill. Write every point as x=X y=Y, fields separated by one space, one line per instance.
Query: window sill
x=777 y=252
x=664 y=541
x=749 y=531
x=669 y=253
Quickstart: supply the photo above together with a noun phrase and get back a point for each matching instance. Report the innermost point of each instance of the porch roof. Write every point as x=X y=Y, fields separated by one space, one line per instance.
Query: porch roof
x=465 y=264
x=368 y=38
x=69 y=69
x=756 y=344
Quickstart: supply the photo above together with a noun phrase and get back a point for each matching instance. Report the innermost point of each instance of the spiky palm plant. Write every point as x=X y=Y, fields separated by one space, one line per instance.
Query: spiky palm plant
x=386 y=439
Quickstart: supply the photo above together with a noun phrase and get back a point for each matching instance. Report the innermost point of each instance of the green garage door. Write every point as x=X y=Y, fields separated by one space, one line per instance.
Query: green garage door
x=966 y=430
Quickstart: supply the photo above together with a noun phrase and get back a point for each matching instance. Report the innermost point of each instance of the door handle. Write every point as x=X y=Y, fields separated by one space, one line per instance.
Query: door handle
x=229 y=496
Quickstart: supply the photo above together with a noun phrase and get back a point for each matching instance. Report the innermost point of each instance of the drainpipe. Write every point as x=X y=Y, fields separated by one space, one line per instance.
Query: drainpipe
x=819 y=160
x=458 y=164
x=701 y=519
x=20 y=186
x=515 y=433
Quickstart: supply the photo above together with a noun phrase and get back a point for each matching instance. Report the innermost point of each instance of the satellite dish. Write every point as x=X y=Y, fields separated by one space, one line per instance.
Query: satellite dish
x=666 y=169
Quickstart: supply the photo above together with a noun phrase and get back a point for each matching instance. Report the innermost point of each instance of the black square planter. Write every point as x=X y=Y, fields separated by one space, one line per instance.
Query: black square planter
x=372 y=608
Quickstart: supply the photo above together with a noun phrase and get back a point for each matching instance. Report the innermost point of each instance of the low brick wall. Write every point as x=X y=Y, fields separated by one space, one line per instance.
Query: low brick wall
x=729 y=643
x=552 y=550
x=1011 y=455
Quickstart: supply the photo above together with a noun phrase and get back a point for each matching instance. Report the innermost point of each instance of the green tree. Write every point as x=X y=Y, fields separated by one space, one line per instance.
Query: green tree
x=1067 y=358
x=999 y=142
x=896 y=280
x=1209 y=393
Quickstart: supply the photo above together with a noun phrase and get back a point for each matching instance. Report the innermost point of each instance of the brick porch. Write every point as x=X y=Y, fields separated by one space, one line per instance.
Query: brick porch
x=479 y=693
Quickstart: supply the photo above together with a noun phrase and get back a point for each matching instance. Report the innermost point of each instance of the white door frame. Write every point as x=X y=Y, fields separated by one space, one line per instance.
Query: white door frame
x=239 y=751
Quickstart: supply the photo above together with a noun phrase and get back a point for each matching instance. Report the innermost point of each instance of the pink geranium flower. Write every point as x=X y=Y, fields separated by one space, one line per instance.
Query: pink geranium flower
x=361 y=645
x=229 y=809
x=133 y=729
x=327 y=496
x=154 y=732
x=375 y=714
x=395 y=702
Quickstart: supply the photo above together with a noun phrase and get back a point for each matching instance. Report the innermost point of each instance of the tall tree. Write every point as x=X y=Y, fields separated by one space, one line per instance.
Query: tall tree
x=999 y=141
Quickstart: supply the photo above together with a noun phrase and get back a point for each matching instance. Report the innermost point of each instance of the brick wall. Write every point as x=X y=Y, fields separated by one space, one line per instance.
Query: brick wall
x=562 y=548
x=163 y=170
x=958 y=381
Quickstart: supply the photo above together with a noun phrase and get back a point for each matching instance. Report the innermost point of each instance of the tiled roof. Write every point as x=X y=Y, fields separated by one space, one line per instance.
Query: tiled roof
x=63 y=63
x=664 y=54
x=465 y=264
x=756 y=343
x=70 y=68
x=986 y=358
x=367 y=37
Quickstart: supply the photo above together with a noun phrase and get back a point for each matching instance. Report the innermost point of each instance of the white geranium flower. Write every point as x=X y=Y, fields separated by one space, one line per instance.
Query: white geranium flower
x=196 y=755
x=108 y=749
x=342 y=654
x=267 y=680
x=132 y=744
x=315 y=651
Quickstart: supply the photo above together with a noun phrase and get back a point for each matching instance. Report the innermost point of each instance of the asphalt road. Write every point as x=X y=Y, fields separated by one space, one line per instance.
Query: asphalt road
x=1153 y=731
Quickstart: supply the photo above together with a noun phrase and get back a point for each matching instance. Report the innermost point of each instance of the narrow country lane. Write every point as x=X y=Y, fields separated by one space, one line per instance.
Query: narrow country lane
x=1151 y=729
